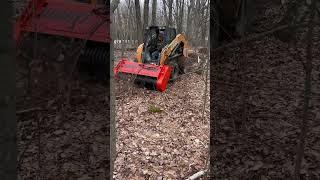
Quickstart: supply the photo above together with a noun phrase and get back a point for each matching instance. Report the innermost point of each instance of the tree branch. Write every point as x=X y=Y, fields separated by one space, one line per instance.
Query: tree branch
x=307 y=95
x=28 y=110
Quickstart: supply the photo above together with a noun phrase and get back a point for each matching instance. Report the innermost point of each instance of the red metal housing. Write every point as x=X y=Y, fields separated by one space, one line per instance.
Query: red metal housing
x=160 y=73
x=64 y=18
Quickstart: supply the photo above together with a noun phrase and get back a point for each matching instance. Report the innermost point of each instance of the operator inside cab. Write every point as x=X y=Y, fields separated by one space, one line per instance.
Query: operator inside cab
x=160 y=40
x=160 y=44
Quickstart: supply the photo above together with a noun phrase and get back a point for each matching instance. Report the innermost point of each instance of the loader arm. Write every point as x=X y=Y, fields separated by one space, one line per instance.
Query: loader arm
x=139 y=53
x=167 y=50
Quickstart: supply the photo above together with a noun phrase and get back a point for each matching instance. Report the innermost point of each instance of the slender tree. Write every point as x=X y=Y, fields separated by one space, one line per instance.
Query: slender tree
x=307 y=93
x=169 y=22
x=164 y=2
x=146 y=14
x=189 y=14
x=154 y=12
x=138 y=20
x=114 y=5
x=179 y=14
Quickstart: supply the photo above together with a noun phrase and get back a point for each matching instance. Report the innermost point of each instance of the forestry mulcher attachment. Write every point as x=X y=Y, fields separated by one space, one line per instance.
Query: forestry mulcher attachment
x=159 y=59
x=68 y=21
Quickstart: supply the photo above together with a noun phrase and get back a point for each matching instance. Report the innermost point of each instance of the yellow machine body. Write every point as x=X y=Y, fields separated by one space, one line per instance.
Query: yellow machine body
x=166 y=51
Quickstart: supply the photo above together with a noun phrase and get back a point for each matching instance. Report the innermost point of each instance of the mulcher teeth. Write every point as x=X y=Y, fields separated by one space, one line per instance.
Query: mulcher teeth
x=148 y=82
x=95 y=59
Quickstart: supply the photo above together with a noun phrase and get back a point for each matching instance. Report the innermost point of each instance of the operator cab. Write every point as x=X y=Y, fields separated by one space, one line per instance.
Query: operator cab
x=155 y=39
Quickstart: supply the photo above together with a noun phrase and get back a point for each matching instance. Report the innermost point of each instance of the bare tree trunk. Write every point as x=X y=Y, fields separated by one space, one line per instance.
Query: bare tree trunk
x=307 y=93
x=114 y=28
x=121 y=32
x=146 y=14
x=179 y=14
x=288 y=35
x=197 y=24
x=114 y=5
x=165 y=11
x=138 y=20
x=131 y=21
x=8 y=150
x=170 y=2
x=154 y=12
x=189 y=22
x=188 y=19
x=176 y=14
x=204 y=12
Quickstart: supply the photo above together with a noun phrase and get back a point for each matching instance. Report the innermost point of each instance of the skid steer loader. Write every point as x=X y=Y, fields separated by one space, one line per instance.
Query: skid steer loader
x=159 y=59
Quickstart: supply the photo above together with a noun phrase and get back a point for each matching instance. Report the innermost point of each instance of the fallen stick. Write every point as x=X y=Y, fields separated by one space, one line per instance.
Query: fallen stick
x=29 y=110
x=197 y=175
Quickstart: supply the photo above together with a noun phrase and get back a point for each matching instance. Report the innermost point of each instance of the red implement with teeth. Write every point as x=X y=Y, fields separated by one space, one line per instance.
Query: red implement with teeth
x=158 y=75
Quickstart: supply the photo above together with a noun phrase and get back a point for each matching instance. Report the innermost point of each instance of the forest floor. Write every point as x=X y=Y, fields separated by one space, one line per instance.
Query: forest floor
x=161 y=134
x=61 y=141
x=258 y=95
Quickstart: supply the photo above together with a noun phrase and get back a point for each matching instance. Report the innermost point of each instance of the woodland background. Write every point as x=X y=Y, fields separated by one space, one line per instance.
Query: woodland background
x=190 y=17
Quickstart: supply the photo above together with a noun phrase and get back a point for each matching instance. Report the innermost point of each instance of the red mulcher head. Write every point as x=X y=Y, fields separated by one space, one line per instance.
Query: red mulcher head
x=71 y=20
x=63 y=18
x=154 y=76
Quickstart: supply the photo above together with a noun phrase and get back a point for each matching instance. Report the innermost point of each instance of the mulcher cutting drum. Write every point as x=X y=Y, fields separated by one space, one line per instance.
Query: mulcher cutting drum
x=71 y=20
x=149 y=75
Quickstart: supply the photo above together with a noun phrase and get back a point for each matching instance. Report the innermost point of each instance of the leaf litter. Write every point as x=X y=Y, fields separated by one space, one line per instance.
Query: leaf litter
x=162 y=135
